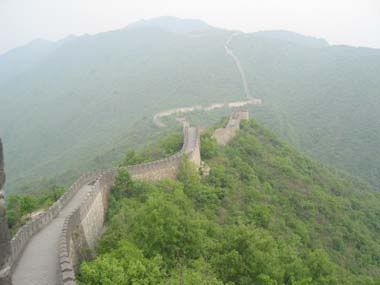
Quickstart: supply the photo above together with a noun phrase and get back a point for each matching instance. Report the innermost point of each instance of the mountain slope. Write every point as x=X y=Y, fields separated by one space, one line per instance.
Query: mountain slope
x=21 y=59
x=87 y=98
x=324 y=100
x=266 y=214
x=82 y=99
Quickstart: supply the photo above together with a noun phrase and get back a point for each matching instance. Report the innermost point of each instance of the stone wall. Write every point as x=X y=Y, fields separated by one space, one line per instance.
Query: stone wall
x=237 y=104
x=83 y=228
x=26 y=232
x=157 y=170
x=224 y=135
x=168 y=167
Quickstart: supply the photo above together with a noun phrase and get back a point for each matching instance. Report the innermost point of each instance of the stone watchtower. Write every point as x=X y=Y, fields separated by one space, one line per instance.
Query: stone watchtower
x=5 y=247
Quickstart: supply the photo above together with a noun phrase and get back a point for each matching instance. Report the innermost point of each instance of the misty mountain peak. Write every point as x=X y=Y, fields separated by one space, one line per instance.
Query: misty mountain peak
x=173 y=24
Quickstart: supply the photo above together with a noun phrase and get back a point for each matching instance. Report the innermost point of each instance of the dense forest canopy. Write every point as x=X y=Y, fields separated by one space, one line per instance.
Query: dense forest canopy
x=266 y=214
x=323 y=99
x=74 y=105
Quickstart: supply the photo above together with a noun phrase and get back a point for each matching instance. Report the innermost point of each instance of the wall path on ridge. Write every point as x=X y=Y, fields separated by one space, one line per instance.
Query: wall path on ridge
x=238 y=65
x=224 y=135
x=48 y=249
x=38 y=264
x=249 y=99
x=168 y=167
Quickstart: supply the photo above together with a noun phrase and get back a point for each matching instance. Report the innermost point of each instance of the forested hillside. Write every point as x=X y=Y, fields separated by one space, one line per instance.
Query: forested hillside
x=266 y=214
x=77 y=104
x=93 y=93
x=323 y=99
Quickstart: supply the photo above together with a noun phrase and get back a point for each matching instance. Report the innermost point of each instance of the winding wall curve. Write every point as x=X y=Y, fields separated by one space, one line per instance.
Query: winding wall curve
x=224 y=135
x=168 y=167
x=83 y=227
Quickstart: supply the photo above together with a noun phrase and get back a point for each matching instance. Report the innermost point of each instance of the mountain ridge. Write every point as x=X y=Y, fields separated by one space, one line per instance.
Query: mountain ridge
x=77 y=101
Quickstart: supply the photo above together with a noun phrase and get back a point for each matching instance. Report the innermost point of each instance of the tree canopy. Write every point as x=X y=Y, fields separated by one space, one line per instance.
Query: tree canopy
x=266 y=214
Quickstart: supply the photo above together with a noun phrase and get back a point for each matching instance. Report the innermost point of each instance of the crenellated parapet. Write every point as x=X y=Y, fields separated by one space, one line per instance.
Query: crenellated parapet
x=168 y=167
x=83 y=227
x=224 y=135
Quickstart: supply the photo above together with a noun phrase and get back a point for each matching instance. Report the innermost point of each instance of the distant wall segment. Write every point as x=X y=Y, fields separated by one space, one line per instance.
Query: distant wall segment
x=168 y=167
x=224 y=135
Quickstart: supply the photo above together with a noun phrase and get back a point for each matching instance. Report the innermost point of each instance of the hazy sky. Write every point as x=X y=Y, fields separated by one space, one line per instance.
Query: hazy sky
x=351 y=22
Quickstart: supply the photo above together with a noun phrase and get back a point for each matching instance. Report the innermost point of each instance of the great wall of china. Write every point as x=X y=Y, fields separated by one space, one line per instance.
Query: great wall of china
x=167 y=167
x=49 y=248
x=224 y=135
x=237 y=104
x=182 y=110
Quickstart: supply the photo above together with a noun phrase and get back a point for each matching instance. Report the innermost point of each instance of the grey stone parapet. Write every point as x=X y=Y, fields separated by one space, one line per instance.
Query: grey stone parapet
x=26 y=232
x=168 y=167
x=82 y=229
x=224 y=135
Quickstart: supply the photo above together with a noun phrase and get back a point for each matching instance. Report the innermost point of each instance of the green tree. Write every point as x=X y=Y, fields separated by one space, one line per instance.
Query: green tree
x=167 y=225
x=209 y=146
x=125 y=265
x=122 y=182
x=104 y=270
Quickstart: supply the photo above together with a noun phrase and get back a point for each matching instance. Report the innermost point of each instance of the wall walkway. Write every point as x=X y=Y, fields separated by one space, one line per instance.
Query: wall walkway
x=35 y=246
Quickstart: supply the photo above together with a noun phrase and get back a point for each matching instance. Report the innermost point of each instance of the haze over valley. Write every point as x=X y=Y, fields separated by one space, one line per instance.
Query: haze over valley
x=87 y=97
